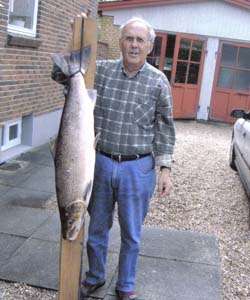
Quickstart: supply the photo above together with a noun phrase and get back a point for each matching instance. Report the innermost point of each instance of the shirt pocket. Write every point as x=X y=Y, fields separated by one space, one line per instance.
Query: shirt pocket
x=144 y=113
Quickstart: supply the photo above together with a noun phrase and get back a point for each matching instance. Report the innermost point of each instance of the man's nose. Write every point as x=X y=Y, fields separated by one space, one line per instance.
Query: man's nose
x=134 y=43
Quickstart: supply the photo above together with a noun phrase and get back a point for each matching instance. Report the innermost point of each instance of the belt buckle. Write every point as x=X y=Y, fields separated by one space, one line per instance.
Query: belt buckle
x=116 y=157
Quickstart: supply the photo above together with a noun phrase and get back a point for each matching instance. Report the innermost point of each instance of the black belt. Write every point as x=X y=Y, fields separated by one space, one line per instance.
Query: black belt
x=121 y=157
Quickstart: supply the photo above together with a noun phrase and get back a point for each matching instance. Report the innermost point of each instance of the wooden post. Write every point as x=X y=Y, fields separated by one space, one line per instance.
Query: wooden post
x=71 y=252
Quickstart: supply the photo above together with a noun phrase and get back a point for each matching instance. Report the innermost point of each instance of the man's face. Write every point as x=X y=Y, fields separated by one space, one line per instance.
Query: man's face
x=135 y=45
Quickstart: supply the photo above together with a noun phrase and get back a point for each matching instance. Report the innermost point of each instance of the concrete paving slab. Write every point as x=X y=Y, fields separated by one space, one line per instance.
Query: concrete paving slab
x=3 y=190
x=15 y=172
x=8 y=245
x=163 y=279
x=25 y=197
x=50 y=230
x=112 y=261
x=41 y=180
x=22 y=221
x=35 y=263
x=180 y=245
x=40 y=156
x=172 y=244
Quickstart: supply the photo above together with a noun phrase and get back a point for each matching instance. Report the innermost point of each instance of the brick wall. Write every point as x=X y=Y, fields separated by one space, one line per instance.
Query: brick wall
x=25 y=84
x=102 y=50
x=109 y=33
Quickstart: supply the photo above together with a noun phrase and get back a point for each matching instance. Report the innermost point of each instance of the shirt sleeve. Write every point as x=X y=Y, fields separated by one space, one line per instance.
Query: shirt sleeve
x=164 y=139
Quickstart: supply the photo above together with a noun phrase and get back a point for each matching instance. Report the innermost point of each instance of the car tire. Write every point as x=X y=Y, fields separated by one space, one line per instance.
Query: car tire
x=232 y=157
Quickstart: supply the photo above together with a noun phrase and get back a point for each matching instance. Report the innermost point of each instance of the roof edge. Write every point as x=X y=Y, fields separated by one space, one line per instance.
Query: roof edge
x=115 y=5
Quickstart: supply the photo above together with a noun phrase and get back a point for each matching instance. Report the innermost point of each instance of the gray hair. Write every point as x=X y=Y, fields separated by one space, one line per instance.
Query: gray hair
x=151 y=30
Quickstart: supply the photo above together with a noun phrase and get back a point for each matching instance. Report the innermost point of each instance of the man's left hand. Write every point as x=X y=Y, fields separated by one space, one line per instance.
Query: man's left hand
x=164 y=183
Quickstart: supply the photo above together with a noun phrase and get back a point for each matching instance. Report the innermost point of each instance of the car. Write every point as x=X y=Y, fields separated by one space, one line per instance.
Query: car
x=239 y=158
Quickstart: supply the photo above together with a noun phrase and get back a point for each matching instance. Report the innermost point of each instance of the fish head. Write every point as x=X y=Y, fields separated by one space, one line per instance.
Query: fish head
x=72 y=219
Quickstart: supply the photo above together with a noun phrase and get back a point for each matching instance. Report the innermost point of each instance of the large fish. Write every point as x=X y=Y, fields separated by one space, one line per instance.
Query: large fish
x=74 y=153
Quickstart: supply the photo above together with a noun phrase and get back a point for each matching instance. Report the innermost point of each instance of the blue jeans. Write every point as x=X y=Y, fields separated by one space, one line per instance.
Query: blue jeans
x=131 y=184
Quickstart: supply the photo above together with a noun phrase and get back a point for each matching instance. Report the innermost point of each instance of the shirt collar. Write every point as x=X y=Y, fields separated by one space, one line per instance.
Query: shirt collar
x=124 y=72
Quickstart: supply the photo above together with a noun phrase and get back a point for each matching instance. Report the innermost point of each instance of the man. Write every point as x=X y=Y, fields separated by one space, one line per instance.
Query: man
x=133 y=115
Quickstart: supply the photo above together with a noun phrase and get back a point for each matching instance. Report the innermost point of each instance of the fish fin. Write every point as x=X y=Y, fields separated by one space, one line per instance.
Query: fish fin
x=87 y=191
x=71 y=62
x=97 y=139
x=79 y=59
x=62 y=61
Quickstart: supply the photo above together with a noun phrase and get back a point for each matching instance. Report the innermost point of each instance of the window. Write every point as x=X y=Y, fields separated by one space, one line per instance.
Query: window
x=235 y=68
x=23 y=16
x=188 y=62
x=11 y=136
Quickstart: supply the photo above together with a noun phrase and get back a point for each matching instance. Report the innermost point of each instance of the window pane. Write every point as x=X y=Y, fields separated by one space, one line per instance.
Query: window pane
x=244 y=57
x=242 y=80
x=167 y=69
x=226 y=78
x=22 y=13
x=193 y=73
x=229 y=54
x=13 y=131
x=169 y=56
x=184 y=49
x=181 y=71
x=196 y=51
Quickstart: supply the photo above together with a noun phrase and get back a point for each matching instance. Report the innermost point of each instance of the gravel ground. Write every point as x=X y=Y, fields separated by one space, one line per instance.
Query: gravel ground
x=207 y=197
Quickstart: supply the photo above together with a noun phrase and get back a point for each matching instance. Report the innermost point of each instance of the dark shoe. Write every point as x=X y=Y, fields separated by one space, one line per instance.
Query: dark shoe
x=126 y=295
x=87 y=288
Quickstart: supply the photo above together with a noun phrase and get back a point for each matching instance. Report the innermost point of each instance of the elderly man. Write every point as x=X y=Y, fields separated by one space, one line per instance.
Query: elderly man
x=133 y=115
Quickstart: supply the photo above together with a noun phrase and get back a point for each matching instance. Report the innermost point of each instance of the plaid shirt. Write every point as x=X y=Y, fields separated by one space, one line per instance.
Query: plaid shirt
x=134 y=114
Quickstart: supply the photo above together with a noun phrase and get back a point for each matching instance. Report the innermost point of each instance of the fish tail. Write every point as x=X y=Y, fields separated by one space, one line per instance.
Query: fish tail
x=73 y=62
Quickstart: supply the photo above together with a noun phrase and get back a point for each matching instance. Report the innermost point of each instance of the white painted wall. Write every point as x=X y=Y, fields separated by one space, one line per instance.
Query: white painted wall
x=208 y=78
x=45 y=127
x=210 y=18
x=37 y=131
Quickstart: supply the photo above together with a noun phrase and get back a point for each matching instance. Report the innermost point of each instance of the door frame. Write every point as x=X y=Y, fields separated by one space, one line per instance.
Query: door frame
x=164 y=37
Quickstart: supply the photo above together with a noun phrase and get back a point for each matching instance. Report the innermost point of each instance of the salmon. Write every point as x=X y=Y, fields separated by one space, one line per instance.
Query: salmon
x=74 y=153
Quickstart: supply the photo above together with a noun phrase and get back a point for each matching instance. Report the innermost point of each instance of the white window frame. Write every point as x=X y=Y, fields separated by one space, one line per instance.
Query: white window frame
x=5 y=134
x=20 y=30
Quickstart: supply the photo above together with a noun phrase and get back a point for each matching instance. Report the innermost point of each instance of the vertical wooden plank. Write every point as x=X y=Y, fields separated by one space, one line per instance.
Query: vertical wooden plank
x=71 y=252
x=90 y=38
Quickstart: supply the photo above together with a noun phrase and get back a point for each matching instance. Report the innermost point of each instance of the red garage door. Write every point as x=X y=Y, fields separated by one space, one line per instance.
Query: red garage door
x=232 y=81
x=180 y=57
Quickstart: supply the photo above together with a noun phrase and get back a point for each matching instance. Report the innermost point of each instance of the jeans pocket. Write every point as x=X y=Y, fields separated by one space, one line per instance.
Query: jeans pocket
x=146 y=165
